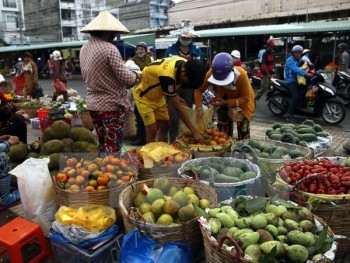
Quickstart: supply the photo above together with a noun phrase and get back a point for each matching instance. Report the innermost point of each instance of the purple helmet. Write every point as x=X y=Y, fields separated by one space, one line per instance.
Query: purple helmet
x=222 y=67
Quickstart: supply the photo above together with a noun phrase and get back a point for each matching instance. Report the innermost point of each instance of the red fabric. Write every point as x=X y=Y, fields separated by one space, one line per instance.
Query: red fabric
x=19 y=82
x=60 y=86
x=238 y=63
x=109 y=127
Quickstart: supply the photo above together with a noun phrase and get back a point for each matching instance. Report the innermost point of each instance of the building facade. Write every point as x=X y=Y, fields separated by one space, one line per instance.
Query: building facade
x=256 y=12
x=137 y=14
x=62 y=19
x=12 y=23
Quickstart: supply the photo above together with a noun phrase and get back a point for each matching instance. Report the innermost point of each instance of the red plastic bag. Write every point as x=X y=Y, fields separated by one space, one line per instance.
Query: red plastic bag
x=60 y=86
x=19 y=82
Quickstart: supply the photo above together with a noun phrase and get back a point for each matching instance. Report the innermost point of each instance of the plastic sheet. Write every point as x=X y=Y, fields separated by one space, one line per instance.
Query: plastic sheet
x=92 y=217
x=201 y=124
x=64 y=234
x=139 y=248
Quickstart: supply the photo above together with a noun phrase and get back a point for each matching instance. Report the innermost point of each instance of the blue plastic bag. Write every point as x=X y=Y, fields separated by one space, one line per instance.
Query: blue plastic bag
x=139 y=248
x=107 y=234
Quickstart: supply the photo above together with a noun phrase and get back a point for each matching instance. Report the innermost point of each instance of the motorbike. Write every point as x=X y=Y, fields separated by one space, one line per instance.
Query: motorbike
x=324 y=102
x=342 y=83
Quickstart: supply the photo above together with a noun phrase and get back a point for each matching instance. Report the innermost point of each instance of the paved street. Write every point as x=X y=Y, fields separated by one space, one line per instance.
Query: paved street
x=261 y=114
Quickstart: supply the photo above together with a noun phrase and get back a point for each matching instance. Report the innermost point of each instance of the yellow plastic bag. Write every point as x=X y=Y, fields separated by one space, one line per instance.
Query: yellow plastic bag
x=301 y=79
x=92 y=217
x=156 y=151
x=201 y=125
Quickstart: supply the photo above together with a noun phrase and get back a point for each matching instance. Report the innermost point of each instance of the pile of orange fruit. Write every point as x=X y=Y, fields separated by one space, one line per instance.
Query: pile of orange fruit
x=98 y=174
x=211 y=136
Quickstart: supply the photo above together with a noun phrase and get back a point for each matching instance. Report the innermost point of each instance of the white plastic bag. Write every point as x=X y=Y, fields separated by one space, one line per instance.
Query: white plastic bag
x=35 y=187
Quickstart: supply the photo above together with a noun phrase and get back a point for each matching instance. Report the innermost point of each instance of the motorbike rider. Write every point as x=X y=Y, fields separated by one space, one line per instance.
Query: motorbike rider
x=291 y=70
x=236 y=55
x=233 y=89
x=266 y=67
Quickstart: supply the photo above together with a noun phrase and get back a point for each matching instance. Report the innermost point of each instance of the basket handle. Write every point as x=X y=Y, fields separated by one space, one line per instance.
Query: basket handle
x=239 y=252
x=295 y=197
x=242 y=155
x=137 y=212
x=193 y=178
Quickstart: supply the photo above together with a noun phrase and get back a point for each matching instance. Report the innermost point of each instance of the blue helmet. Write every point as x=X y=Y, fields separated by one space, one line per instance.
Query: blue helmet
x=297 y=48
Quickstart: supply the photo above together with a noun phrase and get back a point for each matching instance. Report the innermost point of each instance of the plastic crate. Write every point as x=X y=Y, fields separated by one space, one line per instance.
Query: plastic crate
x=69 y=253
x=35 y=123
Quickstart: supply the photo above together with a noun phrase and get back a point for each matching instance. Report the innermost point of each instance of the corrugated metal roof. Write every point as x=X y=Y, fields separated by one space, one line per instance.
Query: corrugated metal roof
x=283 y=29
x=130 y=39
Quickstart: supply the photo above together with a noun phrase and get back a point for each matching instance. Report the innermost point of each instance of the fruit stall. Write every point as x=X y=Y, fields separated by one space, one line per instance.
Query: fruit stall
x=258 y=200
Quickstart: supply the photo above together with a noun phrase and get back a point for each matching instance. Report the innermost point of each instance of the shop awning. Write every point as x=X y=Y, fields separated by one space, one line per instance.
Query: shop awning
x=130 y=39
x=283 y=29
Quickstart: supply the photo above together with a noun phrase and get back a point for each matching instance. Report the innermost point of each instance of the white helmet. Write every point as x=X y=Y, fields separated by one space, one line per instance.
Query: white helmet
x=236 y=54
x=56 y=53
x=19 y=59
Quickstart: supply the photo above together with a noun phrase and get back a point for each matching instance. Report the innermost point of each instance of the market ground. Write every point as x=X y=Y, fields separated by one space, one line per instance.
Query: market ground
x=261 y=122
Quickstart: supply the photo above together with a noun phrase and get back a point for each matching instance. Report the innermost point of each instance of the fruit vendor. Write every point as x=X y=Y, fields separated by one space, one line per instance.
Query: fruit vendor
x=107 y=80
x=233 y=89
x=162 y=77
x=12 y=121
x=6 y=198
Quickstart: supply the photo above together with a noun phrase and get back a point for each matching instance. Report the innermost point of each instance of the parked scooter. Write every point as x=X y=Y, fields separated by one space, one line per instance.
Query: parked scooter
x=342 y=83
x=255 y=78
x=324 y=102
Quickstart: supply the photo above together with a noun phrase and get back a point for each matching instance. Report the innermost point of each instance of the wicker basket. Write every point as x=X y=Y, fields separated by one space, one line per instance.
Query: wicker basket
x=158 y=171
x=188 y=232
x=333 y=209
x=29 y=109
x=86 y=120
x=214 y=253
x=270 y=166
x=107 y=197
x=130 y=129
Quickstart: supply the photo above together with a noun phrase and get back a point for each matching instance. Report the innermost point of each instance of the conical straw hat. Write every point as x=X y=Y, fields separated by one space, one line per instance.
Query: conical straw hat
x=105 y=21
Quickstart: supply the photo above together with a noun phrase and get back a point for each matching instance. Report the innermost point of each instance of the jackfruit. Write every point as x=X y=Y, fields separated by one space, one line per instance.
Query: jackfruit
x=48 y=135
x=52 y=146
x=54 y=163
x=83 y=146
x=68 y=144
x=83 y=134
x=18 y=152
x=61 y=129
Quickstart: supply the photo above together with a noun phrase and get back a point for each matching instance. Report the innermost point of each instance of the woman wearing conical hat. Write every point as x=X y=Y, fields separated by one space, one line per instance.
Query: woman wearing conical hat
x=107 y=80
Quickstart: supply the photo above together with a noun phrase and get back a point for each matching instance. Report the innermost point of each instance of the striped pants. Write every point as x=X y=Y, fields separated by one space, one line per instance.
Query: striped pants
x=5 y=178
